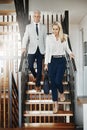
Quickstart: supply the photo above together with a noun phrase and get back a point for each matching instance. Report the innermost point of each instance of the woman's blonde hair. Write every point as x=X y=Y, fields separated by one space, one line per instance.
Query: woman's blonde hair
x=62 y=36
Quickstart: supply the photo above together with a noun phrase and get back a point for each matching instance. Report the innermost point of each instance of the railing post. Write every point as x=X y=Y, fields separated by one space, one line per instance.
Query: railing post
x=10 y=99
x=19 y=99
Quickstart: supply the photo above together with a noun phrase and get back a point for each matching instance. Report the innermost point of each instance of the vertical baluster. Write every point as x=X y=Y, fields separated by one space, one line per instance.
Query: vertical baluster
x=31 y=119
x=48 y=110
x=67 y=119
x=35 y=108
x=48 y=24
x=56 y=17
x=52 y=18
x=29 y=18
x=0 y=101
x=40 y=106
x=43 y=19
x=4 y=92
x=61 y=18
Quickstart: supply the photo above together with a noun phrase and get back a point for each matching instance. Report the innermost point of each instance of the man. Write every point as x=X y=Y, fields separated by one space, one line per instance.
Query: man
x=35 y=34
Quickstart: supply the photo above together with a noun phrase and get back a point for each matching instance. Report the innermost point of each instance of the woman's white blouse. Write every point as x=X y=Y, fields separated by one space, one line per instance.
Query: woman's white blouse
x=55 y=47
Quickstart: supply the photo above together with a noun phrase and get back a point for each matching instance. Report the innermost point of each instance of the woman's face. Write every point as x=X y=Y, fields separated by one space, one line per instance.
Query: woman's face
x=55 y=30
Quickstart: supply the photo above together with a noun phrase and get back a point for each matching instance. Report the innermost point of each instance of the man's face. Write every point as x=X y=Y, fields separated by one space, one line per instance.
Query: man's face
x=36 y=17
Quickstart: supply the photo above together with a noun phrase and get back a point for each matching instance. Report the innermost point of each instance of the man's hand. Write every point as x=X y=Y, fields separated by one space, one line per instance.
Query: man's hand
x=23 y=50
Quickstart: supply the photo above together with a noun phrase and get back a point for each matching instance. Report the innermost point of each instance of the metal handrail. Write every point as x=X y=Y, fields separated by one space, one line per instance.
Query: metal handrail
x=21 y=62
x=13 y=98
x=73 y=61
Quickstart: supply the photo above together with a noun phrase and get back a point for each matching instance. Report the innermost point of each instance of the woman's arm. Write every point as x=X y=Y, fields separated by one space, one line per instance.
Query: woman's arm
x=68 y=50
x=47 y=53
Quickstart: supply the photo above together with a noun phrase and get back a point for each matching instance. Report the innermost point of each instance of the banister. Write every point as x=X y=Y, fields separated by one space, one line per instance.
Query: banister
x=21 y=62
x=65 y=25
x=73 y=61
x=13 y=96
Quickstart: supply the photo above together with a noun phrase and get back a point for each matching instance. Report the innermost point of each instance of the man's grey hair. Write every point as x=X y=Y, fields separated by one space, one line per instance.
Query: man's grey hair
x=37 y=11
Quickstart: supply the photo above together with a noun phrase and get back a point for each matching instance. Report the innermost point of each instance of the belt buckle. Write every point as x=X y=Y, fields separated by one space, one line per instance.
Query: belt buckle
x=60 y=56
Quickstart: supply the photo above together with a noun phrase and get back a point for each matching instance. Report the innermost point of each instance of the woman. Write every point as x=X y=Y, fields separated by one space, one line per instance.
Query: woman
x=55 y=61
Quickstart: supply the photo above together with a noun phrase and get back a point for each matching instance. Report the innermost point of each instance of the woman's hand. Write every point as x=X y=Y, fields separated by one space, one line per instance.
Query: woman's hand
x=72 y=56
x=46 y=67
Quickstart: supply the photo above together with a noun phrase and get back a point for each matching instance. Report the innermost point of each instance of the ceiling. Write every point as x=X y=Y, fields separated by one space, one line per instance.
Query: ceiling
x=77 y=8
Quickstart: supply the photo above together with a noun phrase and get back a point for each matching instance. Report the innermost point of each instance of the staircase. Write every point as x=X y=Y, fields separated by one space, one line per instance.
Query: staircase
x=38 y=110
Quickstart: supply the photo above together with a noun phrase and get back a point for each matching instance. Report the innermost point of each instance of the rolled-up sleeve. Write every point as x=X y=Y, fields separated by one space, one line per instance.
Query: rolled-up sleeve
x=67 y=49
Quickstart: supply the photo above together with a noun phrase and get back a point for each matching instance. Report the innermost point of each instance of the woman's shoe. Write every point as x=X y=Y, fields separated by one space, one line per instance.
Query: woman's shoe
x=55 y=108
x=62 y=97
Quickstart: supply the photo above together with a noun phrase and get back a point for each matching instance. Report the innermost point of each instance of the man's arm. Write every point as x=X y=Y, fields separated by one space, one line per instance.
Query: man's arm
x=25 y=39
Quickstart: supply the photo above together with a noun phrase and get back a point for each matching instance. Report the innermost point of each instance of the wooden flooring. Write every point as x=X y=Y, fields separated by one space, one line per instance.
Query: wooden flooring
x=40 y=129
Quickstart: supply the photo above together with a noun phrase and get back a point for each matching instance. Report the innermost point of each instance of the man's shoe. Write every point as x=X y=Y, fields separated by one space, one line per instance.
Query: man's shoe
x=34 y=79
x=38 y=89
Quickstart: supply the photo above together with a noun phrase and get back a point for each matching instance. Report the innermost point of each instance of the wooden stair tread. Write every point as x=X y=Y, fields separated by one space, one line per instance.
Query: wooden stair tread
x=7 y=23
x=7 y=33
x=82 y=100
x=6 y=12
x=49 y=125
x=6 y=1
x=47 y=113
x=33 y=91
x=45 y=102
x=33 y=83
x=4 y=95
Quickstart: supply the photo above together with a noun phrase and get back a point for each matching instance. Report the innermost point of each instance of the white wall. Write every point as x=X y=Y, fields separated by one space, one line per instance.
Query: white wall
x=77 y=49
x=83 y=22
x=83 y=26
x=77 y=45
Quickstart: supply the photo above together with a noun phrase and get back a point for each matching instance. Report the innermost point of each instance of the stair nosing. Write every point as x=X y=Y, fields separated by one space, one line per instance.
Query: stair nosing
x=33 y=83
x=49 y=125
x=45 y=102
x=47 y=113
x=33 y=91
